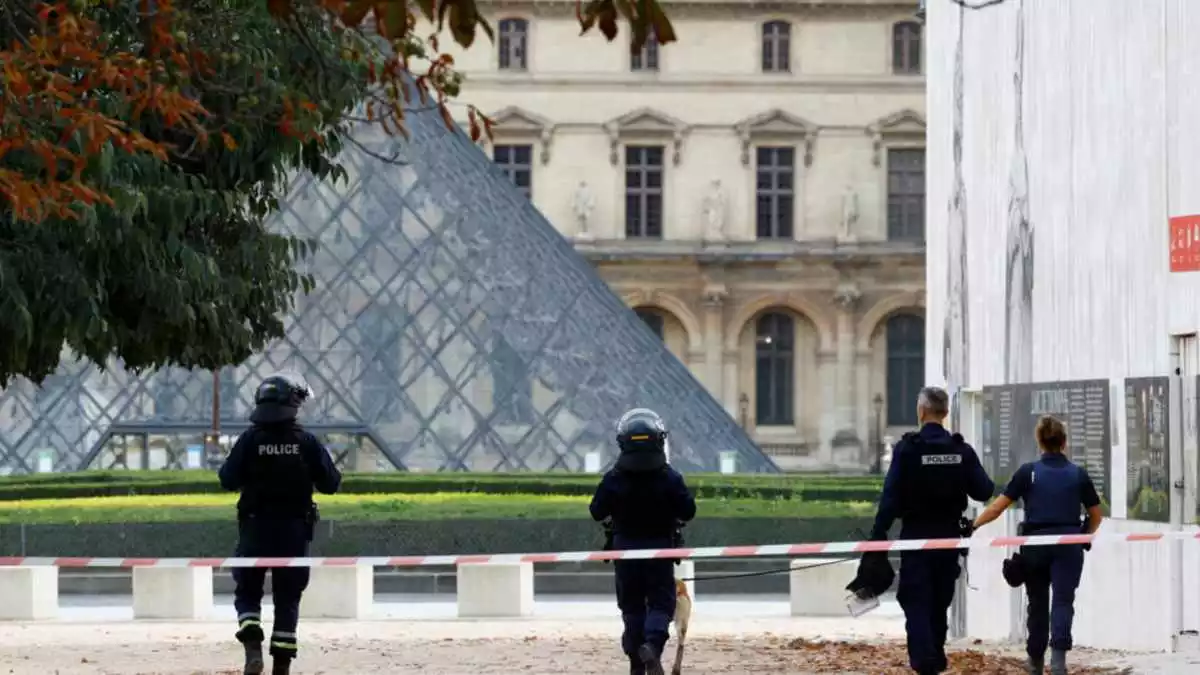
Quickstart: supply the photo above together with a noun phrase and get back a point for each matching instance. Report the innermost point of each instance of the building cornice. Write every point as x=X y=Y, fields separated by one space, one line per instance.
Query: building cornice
x=617 y=81
x=617 y=250
x=740 y=5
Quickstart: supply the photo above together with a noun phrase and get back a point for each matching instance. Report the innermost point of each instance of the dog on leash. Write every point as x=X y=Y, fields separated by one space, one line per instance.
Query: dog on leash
x=683 y=616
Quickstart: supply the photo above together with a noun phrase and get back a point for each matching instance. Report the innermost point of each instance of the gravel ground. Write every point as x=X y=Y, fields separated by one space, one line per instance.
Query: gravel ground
x=508 y=647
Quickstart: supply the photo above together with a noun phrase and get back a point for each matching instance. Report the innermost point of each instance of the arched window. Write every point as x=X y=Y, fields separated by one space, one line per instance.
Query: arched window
x=775 y=337
x=776 y=47
x=513 y=44
x=652 y=319
x=905 y=368
x=512 y=388
x=906 y=48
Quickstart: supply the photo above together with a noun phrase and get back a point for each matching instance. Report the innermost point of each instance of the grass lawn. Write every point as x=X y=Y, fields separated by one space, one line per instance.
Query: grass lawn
x=433 y=506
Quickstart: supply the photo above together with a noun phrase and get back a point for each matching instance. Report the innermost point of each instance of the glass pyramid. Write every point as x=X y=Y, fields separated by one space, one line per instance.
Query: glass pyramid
x=452 y=328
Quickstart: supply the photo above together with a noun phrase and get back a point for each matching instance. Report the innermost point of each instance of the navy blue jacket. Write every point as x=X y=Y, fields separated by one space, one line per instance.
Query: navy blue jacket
x=1053 y=489
x=645 y=507
x=276 y=467
x=933 y=472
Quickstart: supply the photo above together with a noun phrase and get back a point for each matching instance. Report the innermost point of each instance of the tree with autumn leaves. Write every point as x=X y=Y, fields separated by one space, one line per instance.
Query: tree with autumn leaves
x=144 y=142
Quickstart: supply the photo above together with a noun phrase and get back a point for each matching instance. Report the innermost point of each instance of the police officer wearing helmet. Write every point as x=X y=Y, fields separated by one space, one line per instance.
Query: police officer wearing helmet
x=1053 y=489
x=276 y=465
x=932 y=474
x=647 y=501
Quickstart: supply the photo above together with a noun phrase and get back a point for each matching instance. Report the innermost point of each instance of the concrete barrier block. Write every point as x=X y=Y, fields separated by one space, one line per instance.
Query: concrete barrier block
x=28 y=593
x=172 y=592
x=687 y=570
x=502 y=590
x=339 y=593
x=818 y=586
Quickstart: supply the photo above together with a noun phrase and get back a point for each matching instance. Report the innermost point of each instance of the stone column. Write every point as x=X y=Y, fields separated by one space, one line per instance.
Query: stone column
x=732 y=383
x=864 y=415
x=714 y=340
x=849 y=437
x=827 y=424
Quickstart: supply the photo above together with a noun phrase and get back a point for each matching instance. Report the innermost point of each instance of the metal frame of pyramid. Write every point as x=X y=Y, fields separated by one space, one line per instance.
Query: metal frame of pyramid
x=450 y=320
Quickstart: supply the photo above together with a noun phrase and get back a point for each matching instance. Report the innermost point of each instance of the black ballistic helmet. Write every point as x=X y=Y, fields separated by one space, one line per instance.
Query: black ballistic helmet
x=279 y=397
x=642 y=438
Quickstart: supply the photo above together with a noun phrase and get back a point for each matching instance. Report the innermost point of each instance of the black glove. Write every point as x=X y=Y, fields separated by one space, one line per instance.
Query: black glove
x=1014 y=571
x=607 y=524
x=965 y=529
x=875 y=575
x=677 y=538
x=1083 y=529
x=310 y=521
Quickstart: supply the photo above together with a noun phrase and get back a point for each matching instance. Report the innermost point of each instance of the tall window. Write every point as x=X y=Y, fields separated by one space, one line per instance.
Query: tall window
x=643 y=191
x=645 y=59
x=773 y=371
x=906 y=48
x=776 y=47
x=652 y=319
x=905 y=368
x=517 y=163
x=512 y=388
x=514 y=43
x=775 y=189
x=379 y=353
x=906 y=194
x=230 y=393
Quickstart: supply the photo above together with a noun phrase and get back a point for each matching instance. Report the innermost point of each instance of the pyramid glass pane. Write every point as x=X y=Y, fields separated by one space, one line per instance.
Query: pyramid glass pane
x=452 y=329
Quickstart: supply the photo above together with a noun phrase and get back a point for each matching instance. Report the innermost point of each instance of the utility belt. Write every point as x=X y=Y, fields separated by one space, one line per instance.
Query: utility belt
x=677 y=540
x=1027 y=529
x=311 y=517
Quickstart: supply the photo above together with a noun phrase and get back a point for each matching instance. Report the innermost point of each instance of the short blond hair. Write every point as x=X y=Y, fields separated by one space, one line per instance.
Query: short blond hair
x=1051 y=434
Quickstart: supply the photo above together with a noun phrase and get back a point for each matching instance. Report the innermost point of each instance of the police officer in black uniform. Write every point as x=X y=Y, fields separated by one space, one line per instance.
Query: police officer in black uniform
x=647 y=501
x=1053 y=489
x=932 y=473
x=275 y=464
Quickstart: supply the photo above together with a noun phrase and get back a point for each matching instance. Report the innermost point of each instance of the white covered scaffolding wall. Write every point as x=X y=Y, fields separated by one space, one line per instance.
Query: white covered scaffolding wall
x=1063 y=166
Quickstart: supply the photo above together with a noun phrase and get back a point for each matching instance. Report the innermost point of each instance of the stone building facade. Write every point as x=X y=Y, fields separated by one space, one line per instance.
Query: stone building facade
x=756 y=191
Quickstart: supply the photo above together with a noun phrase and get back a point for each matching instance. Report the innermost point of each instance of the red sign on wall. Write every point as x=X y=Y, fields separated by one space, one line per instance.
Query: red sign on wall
x=1185 y=244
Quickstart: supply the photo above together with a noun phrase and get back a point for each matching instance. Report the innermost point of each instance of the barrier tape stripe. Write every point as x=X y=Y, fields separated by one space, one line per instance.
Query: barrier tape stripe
x=774 y=550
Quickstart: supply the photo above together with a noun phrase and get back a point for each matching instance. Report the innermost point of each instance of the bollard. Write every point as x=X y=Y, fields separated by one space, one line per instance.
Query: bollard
x=495 y=590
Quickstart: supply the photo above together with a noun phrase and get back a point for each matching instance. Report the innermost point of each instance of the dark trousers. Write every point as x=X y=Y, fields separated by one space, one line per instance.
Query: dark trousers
x=925 y=592
x=1057 y=569
x=646 y=597
x=271 y=538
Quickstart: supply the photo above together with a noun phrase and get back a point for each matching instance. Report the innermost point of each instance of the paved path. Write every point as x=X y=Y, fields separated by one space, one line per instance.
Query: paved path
x=422 y=636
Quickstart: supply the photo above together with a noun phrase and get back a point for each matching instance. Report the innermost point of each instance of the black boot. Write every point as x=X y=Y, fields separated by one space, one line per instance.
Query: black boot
x=254 y=658
x=1058 y=662
x=651 y=658
x=281 y=665
x=251 y=637
x=1034 y=666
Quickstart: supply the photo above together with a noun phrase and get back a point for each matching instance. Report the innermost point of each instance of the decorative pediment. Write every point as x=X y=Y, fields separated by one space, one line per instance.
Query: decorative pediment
x=645 y=122
x=776 y=124
x=906 y=125
x=518 y=122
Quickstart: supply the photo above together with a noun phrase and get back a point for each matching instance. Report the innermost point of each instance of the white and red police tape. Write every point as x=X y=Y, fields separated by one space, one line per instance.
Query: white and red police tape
x=774 y=550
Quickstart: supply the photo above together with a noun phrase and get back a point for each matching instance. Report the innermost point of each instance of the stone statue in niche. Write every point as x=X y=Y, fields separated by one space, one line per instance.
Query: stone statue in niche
x=849 y=215
x=714 y=211
x=583 y=204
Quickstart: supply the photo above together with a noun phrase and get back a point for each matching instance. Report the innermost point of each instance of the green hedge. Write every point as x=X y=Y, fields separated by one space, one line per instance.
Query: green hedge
x=338 y=538
x=706 y=486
